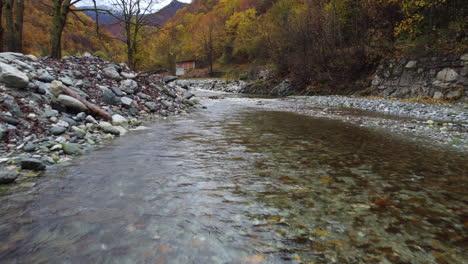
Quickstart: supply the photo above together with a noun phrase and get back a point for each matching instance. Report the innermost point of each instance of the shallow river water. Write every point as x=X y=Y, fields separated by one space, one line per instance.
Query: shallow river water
x=238 y=183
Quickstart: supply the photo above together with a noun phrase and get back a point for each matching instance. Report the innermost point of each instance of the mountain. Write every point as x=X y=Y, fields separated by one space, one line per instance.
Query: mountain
x=159 y=18
x=167 y=12
x=103 y=17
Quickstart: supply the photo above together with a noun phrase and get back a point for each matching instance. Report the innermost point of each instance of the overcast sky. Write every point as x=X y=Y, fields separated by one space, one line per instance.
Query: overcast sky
x=158 y=6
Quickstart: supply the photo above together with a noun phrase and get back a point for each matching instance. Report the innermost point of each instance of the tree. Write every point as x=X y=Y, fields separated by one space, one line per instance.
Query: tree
x=133 y=14
x=1 y=25
x=14 y=14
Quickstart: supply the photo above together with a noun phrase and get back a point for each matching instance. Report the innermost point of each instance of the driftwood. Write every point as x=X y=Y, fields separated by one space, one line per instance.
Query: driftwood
x=148 y=73
x=95 y=110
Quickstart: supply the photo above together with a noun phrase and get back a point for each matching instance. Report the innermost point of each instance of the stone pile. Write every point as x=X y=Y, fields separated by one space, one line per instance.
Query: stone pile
x=48 y=108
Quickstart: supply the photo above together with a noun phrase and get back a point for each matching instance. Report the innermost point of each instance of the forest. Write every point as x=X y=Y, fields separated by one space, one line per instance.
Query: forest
x=314 y=42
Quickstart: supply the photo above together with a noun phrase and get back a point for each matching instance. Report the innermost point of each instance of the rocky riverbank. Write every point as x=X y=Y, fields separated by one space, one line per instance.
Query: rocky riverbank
x=52 y=110
x=441 y=124
x=219 y=85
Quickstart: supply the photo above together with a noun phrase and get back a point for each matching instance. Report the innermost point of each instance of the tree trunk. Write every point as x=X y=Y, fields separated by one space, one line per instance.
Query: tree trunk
x=1 y=25
x=59 y=20
x=10 y=29
x=19 y=18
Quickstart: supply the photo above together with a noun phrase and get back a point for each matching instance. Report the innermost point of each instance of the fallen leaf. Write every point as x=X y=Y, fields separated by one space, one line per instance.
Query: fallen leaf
x=275 y=218
x=336 y=242
x=322 y=232
x=325 y=179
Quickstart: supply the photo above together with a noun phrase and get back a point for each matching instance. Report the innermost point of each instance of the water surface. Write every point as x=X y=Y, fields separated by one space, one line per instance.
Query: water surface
x=239 y=184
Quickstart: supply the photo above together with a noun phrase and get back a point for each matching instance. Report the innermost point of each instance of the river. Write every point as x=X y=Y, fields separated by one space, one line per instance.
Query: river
x=239 y=183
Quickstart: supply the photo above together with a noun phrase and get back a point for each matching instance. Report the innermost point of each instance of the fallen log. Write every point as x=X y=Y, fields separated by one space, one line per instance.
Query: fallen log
x=95 y=110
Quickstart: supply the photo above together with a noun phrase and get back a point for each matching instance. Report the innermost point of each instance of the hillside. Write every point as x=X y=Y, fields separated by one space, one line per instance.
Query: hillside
x=79 y=36
x=316 y=43
x=167 y=12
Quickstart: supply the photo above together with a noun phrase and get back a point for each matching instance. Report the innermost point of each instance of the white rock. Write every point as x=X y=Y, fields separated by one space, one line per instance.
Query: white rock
x=13 y=77
x=32 y=57
x=90 y=119
x=119 y=120
x=126 y=101
x=447 y=75
x=411 y=64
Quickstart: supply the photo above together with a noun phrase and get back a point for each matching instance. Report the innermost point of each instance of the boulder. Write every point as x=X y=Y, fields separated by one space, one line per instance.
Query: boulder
x=32 y=164
x=447 y=75
x=12 y=77
x=31 y=57
x=111 y=73
x=8 y=176
x=71 y=103
x=29 y=147
x=9 y=102
x=144 y=96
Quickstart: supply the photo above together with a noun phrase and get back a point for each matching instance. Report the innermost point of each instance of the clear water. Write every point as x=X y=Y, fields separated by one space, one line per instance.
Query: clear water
x=239 y=184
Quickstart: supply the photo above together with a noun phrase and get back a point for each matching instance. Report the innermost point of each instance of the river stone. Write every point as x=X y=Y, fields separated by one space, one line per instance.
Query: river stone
x=128 y=75
x=32 y=164
x=72 y=149
x=116 y=91
x=108 y=128
x=144 y=96
x=152 y=106
x=44 y=76
x=188 y=96
x=9 y=102
x=126 y=101
x=12 y=77
x=29 y=147
x=119 y=120
x=447 y=75
x=122 y=130
x=129 y=86
x=8 y=176
x=464 y=57
x=109 y=97
x=411 y=64
x=111 y=73
x=91 y=119
x=80 y=133
x=31 y=57
x=166 y=103
x=71 y=103
x=57 y=130
x=9 y=120
x=67 y=80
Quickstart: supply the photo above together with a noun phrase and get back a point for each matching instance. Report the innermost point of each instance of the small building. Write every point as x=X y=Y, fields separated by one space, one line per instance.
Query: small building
x=182 y=67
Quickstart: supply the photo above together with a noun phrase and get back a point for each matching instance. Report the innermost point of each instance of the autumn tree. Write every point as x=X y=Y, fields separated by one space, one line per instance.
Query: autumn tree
x=14 y=15
x=133 y=14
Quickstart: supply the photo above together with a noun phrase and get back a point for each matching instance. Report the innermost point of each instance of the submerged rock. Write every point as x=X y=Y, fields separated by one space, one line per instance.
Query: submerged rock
x=32 y=164
x=8 y=176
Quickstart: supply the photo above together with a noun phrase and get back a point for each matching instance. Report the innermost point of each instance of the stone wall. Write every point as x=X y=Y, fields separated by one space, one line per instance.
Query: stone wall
x=436 y=77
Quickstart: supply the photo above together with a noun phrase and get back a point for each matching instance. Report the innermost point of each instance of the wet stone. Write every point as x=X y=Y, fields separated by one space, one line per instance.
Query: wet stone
x=8 y=176
x=32 y=164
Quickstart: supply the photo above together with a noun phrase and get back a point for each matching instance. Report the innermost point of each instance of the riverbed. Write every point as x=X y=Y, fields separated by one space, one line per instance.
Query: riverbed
x=244 y=182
